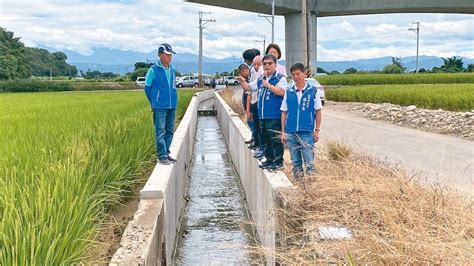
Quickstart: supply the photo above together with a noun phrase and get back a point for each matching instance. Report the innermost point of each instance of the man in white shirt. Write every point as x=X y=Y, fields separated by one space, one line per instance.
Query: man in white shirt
x=301 y=121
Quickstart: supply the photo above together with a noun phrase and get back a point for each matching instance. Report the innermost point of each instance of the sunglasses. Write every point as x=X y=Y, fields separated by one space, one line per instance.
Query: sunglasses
x=267 y=63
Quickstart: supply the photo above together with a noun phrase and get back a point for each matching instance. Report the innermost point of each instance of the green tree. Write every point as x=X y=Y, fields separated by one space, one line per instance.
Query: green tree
x=322 y=70
x=394 y=68
x=13 y=62
x=452 y=64
x=95 y=74
x=140 y=72
x=350 y=70
x=142 y=65
x=470 y=68
x=42 y=62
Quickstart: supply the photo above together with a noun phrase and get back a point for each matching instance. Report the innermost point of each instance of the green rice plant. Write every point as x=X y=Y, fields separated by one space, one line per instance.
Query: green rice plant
x=376 y=79
x=38 y=85
x=450 y=97
x=65 y=160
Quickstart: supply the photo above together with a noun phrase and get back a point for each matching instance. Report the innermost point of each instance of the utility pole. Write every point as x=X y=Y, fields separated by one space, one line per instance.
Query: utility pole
x=315 y=48
x=202 y=23
x=417 y=31
x=263 y=41
x=272 y=21
x=50 y=73
x=305 y=31
x=233 y=64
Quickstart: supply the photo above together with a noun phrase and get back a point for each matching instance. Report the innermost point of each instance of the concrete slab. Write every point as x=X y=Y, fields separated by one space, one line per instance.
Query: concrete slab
x=142 y=240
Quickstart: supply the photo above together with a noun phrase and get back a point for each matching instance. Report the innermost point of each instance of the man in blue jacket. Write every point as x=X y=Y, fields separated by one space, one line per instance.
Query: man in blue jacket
x=271 y=88
x=160 y=89
x=301 y=121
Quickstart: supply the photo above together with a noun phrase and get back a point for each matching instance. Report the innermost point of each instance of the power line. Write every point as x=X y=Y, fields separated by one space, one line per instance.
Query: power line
x=202 y=23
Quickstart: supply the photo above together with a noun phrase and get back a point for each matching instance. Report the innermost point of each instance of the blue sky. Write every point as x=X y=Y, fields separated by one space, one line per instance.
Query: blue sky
x=140 y=25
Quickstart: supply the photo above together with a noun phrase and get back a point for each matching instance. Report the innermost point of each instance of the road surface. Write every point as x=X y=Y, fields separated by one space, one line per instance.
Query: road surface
x=437 y=158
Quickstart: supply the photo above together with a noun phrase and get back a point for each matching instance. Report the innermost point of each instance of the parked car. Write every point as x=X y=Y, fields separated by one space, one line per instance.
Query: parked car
x=187 y=81
x=230 y=80
x=140 y=81
x=207 y=79
x=316 y=84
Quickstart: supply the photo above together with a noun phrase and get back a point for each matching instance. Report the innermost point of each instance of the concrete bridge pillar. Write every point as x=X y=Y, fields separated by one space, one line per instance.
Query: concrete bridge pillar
x=293 y=37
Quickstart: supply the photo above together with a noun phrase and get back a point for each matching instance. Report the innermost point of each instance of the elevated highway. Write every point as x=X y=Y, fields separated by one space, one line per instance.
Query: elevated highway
x=291 y=10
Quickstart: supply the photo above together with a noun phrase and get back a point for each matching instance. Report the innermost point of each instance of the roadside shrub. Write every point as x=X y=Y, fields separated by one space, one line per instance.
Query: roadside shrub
x=34 y=86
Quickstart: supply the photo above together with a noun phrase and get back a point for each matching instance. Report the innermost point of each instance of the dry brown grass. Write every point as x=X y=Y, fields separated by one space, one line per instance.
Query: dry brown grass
x=236 y=104
x=394 y=219
x=338 y=151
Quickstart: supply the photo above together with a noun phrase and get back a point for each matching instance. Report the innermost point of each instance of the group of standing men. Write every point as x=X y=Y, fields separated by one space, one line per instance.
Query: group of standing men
x=276 y=113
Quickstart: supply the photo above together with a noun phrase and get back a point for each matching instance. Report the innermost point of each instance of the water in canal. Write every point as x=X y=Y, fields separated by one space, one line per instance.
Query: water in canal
x=215 y=227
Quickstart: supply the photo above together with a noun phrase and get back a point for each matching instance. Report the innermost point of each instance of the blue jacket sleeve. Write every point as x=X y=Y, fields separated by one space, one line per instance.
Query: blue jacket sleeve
x=150 y=75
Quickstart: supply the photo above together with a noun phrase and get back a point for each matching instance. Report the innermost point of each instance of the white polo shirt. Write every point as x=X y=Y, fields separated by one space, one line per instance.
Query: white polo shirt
x=299 y=94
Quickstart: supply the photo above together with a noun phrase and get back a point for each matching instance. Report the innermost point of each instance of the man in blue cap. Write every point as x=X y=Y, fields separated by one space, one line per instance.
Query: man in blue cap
x=160 y=89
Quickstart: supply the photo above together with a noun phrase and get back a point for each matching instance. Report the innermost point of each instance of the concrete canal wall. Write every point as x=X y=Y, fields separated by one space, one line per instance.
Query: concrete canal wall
x=150 y=237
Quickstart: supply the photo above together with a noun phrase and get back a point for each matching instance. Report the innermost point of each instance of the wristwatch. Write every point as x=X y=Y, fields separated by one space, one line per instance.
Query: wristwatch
x=317 y=129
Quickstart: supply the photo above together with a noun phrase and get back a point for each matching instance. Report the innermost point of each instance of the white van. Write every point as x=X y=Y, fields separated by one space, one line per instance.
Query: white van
x=140 y=81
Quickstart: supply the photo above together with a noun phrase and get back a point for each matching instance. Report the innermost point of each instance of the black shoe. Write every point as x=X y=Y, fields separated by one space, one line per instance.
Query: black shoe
x=265 y=165
x=279 y=166
x=271 y=167
x=249 y=141
x=164 y=161
x=171 y=159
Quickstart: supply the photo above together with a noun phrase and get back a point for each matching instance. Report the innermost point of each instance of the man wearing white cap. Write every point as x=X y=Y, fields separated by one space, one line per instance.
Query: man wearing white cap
x=160 y=89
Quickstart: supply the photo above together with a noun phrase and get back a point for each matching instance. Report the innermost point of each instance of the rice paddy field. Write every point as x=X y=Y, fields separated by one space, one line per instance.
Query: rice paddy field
x=378 y=79
x=450 y=97
x=65 y=160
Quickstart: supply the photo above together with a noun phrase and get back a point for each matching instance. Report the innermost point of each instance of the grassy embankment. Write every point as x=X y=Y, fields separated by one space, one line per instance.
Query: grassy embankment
x=66 y=160
x=453 y=92
x=393 y=217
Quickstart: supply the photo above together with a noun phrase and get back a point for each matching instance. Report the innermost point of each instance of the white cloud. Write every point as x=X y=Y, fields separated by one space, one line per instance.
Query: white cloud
x=140 y=25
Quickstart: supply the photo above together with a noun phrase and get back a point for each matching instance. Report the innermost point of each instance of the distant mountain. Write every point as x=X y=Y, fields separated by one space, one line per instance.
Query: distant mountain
x=426 y=62
x=119 y=61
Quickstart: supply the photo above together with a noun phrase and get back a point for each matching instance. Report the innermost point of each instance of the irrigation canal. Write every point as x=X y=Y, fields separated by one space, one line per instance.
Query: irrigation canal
x=215 y=225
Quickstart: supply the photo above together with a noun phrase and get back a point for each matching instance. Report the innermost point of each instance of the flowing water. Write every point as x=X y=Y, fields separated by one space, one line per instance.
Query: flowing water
x=216 y=228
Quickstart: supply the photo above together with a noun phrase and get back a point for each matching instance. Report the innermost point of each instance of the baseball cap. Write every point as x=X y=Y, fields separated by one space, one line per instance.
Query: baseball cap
x=165 y=48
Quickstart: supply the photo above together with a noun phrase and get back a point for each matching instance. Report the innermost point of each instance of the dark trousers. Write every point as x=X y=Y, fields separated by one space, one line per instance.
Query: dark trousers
x=256 y=132
x=271 y=130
